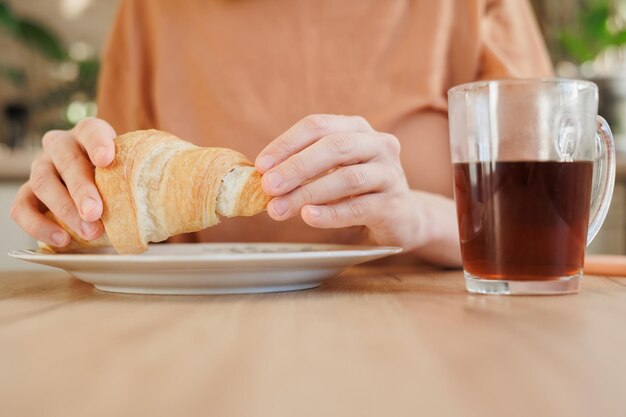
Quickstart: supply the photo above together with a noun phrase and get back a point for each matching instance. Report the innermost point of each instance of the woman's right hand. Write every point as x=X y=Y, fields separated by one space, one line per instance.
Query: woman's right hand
x=62 y=181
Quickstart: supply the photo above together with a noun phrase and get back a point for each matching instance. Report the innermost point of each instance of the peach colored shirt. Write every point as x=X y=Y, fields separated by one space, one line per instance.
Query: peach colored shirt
x=237 y=73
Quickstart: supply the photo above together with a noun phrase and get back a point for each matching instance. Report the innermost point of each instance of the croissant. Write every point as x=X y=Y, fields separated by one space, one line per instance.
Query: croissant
x=159 y=186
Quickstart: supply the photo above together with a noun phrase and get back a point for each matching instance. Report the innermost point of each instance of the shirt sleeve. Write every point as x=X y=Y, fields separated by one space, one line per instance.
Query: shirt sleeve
x=511 y=42
x=123 y=95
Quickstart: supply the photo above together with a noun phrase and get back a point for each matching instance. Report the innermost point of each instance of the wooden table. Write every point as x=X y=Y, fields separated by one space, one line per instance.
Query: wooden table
x=372 y=342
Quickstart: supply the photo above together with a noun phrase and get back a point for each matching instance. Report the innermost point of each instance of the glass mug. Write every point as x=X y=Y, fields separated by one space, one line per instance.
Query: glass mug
x=534 y=169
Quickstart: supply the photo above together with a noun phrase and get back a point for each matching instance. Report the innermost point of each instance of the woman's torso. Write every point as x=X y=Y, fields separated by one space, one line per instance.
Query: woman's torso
x=237 y=73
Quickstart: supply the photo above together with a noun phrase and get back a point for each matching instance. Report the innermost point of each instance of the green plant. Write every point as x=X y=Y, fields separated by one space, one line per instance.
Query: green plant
x=594 y=30
x=44 y=41
x=32 y=34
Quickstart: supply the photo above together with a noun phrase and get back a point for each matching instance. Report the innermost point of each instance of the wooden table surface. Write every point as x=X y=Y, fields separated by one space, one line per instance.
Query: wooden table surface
x=372 y=342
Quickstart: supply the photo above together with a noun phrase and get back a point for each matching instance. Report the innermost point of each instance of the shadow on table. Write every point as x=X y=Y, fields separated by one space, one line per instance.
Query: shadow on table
x=59 y=287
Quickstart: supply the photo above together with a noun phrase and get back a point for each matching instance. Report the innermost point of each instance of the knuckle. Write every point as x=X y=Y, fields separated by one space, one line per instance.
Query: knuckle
x=35 y=165
x=388 y=181
x=392 y=144
x=285 y=148
x=361 y=121
x=340 y=144
x=353 y=178
x=357 y=208
x=86 y=125
x=51 y=137
x=394 y=207
x=69 y=160
x=396 y=202
x=77 y=188
x=333 y=213
x=397 y=180
x=307 y=195
x=38 y=181
x=297 y=166
x=33 y=227
x=89 y=129
x=66 y=210
x=315 y=122
x=400 y=177
x=389 y=176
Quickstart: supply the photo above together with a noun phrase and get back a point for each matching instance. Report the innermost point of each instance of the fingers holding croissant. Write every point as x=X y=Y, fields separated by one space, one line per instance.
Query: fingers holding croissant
x=159 y=186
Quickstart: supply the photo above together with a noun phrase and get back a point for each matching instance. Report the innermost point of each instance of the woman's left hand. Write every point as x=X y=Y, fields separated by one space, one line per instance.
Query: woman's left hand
x=337 y=171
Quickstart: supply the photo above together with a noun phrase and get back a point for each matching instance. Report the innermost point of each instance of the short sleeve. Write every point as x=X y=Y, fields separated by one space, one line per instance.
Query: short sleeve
x=511 y=43
x=124 y=95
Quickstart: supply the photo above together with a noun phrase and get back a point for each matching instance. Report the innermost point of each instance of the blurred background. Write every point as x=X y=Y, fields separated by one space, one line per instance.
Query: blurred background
x=49 y=65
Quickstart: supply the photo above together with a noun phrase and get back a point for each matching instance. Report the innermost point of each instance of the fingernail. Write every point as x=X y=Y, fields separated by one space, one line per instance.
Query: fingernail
x=89 y=228
x=59 y=238
x=265 y=162
x=88 y=204
x=274 y=179
x=280 y=206
x=314 y=211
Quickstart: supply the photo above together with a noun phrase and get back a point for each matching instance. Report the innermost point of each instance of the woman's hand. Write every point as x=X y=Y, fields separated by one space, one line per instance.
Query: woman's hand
x=62 y=181
x=336 y=171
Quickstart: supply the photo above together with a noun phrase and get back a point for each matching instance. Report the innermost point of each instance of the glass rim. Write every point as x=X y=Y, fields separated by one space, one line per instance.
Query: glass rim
x=486 y=84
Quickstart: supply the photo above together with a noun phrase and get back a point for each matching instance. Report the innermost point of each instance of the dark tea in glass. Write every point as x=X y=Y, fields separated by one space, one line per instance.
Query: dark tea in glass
x=517 y=220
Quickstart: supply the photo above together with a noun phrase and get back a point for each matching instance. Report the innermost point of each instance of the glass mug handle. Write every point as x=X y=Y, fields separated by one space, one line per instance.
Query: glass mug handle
x=603 y=178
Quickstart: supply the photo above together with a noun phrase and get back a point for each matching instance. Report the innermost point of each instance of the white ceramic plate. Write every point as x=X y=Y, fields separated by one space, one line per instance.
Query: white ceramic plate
x=211 y=268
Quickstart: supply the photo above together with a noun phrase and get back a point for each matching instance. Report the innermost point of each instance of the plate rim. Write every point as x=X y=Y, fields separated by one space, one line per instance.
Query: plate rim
x=350 y=251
